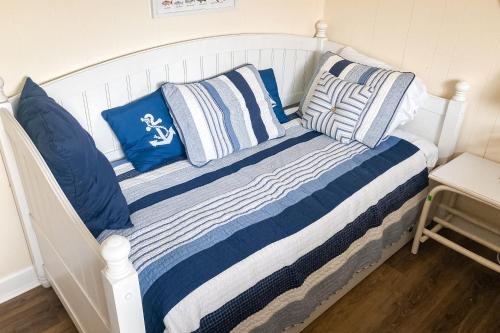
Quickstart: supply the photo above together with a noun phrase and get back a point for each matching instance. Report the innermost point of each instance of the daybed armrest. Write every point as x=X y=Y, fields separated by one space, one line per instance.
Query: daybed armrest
x=121 y=285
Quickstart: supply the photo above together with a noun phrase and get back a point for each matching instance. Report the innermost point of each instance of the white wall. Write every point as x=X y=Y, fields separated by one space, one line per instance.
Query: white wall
x=48 y=38
x=441 y=41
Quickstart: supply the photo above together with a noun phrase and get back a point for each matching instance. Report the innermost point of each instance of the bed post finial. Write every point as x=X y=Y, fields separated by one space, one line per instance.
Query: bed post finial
x=115 y=251
x=452 y=123
x=121 y=286
x=3 y=96
x=321 y=27
x=461 y=89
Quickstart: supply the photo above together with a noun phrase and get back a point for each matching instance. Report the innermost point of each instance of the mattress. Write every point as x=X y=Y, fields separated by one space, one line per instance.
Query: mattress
x=234 y=245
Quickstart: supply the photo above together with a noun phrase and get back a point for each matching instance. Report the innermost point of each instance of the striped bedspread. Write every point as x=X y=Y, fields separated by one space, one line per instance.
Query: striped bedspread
x=219 y=245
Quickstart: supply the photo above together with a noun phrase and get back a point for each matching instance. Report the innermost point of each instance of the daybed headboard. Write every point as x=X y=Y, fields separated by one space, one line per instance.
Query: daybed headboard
x=87 y=92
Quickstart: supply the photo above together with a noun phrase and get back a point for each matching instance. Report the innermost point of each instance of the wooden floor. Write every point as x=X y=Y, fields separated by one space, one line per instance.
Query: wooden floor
x=436 y=291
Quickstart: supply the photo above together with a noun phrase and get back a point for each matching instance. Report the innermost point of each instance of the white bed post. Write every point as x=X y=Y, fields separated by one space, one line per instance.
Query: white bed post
x=121 y=286
x=17 y=190
x=453 y=122
x=321 y=29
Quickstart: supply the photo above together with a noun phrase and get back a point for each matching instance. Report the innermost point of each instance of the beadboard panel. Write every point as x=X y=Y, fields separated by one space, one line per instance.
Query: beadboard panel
x=88 y=92
x=441 y=41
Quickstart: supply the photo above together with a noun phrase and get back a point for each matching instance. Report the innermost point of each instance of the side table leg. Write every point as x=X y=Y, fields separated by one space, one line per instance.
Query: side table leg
x=424 y=215
x=421 y=224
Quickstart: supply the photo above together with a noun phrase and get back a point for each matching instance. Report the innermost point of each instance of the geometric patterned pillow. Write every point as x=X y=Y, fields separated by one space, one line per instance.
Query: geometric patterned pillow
x=389 y=89
x=335 y=107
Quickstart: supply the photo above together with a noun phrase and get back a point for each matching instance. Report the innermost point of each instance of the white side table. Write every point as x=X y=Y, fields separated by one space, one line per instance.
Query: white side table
x=473 y=177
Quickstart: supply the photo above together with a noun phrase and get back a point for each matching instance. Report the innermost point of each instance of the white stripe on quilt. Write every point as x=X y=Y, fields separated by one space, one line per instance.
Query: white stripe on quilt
x=167 y=169
x=140 y=179
x=200 y=122
x=246 y=115
x=122 y=168
x=335 y=264
x=185 y=316
x=186 y=225
x=262 y=101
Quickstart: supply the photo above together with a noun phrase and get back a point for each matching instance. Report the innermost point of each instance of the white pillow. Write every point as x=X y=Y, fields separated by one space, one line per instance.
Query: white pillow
x=352 y=55
x=413 y=98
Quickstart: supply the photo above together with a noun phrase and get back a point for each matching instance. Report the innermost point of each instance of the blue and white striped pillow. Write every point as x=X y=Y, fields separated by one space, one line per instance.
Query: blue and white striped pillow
x=222 y=115
x=335 y=107
x=389 y=89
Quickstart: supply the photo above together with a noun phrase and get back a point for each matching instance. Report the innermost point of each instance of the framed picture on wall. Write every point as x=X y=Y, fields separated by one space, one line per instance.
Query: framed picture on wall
x=179 y=7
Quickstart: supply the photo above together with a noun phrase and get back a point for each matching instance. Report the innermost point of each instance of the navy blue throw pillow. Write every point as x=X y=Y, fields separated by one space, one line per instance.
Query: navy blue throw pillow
x=146 y=132
x=269 y=80
x=82 y=171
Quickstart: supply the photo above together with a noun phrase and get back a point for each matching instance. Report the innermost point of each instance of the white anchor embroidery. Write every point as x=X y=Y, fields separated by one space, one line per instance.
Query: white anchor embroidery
x=163 y=135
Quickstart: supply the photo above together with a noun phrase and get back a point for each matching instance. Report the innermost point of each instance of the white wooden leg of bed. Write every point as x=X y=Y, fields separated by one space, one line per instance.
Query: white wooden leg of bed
x=121 y=286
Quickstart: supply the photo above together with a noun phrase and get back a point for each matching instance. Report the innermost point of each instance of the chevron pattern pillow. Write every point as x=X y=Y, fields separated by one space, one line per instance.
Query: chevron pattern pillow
x=335 y=107
x=389 y=89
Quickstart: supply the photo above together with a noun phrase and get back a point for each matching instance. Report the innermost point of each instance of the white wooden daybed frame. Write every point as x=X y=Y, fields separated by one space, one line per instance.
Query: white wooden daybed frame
x=97 y=284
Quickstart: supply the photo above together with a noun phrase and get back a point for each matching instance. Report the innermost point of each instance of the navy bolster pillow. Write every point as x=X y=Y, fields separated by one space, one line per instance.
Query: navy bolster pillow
x=82 y=171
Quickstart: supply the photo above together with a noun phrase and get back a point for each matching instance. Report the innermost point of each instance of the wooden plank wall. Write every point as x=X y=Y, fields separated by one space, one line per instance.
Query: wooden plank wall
x=440 y=40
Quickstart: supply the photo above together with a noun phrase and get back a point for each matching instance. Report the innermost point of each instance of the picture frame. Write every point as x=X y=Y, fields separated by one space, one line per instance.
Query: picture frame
x=162 y=8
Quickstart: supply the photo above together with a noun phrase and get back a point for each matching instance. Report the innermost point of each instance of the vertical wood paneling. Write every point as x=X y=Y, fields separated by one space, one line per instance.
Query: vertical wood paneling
x=97 y=102
x=266 y=58
x=239 y=58
x=442 y=41
x=193 y=69
x=139 y=84
x=278 y=64
x=176 y=72
x=88 y=97
x=225 y=61
x=209 y=65
x=157 y=77
x=289 y=75
x=253 y=58
x=75 y=102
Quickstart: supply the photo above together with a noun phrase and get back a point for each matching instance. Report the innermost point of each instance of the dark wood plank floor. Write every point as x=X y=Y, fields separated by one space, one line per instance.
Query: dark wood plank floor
x=436 y=291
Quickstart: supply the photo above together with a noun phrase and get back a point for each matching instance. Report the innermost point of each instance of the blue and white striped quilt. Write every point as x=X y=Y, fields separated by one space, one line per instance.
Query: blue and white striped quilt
x=215 y=245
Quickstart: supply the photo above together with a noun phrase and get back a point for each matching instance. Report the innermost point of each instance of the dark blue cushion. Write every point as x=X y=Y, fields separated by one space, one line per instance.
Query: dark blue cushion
x=82 y=171
x=146 y=132
x=269 y=80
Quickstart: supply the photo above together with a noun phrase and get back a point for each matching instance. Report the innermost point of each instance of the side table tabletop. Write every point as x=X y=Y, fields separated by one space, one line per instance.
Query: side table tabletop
x=477 y=179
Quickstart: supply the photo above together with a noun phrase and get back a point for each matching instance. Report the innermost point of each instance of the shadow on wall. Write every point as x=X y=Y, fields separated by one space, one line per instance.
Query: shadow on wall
x=449 y=88
x=491 y=95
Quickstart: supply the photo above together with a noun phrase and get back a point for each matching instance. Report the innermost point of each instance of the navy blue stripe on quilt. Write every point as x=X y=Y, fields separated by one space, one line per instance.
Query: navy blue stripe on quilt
x=196 y=270
x=293 y=276
x=207 y=178
x=251 y=102
x=339 y=67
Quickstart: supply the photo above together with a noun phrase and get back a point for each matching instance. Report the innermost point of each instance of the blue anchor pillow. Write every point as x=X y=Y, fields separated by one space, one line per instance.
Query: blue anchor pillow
x=146 y=132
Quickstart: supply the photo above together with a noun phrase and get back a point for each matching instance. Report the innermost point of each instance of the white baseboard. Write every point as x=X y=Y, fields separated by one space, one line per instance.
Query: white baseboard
x=15 y=284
